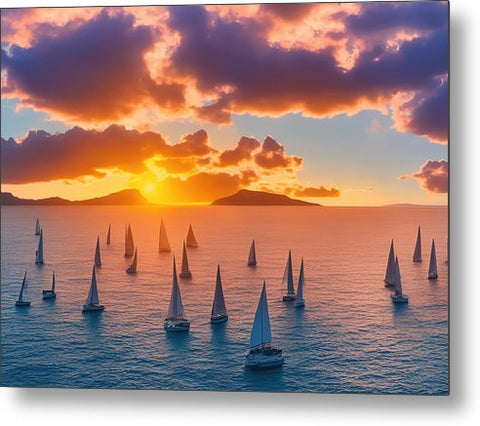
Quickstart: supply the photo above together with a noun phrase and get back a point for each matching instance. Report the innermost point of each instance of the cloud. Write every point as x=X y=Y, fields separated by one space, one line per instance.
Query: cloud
x=273 y=156
x=89 y=70
x=242 y=152
x=316 y=192
x=199 y=188
x=268 y=79
x=288 y=12
x=433 y=176
x=193 y=144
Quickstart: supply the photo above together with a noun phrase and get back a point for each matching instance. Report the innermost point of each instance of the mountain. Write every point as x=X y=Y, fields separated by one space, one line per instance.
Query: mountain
x=125 y=197
x=245 y=197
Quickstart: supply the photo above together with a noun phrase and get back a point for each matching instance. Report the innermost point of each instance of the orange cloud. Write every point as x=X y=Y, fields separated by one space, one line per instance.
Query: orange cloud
x=242 y=152
x=433 y=176
x=321 y=191
x=273 y=156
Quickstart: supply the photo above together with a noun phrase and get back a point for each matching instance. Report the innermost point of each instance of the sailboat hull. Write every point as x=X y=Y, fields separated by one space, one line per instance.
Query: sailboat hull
x=217 y=319
x=400 y=298
x=432 y=276
x=173 y=325
x=39 y=262
x=93 y=308
x=389 y=285
x=131 y=270
x=49 y=294
x=289 y=298
x=186 y=275
x=300 y=303
x=252 y=264
x=22 y=303
x=261 y=359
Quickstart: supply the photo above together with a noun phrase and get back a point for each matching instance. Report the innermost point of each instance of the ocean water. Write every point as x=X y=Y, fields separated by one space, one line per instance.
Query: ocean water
x=348 y=338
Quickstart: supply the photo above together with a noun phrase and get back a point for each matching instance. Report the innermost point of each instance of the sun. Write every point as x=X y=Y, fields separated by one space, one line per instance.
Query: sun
x=149 y=188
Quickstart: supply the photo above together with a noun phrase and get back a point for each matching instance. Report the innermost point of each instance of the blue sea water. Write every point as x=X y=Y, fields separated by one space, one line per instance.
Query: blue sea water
x=348 y=338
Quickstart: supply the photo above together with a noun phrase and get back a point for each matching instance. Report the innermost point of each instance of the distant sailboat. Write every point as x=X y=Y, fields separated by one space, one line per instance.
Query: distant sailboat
x=37 y=227
x=219 y=311
x=252 y=256
x=432 y=268
x=21 y=301
x=163 y=244
x=176 y=320
x=191 y=240
x=301 y=281
x=39 y=252
x=129 y=244
x=98 y=259
x=108 y=234
x=132 y=269
x=185 y=273
x=390 y=272
x=288 y=276
x=93 y=302
x=398 y=296
x=417 y=254
x=50 y=294
x=262 y=354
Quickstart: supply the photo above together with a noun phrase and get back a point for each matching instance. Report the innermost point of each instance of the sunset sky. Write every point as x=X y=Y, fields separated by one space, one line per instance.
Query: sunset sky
x=340 y=104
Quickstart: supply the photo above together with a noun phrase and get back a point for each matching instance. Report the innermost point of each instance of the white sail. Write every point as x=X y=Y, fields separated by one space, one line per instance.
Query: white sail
x=417 y=254
x=163 y=244
x=175 y=309
x=39 y=252
x=301 y=281
x=432 y=269
x=218 y=307
x=185 y=268
x=191 y=240
x=53 y=282
x=37 y=227
x=252 y=256
x=98 y=259
x=92 y=297
x=108 y=234
x=398 y=279
x=129 y=243
x=261 y=331
x=288 y=275
x=133 y=266
x=23 y=288
x=390 y=272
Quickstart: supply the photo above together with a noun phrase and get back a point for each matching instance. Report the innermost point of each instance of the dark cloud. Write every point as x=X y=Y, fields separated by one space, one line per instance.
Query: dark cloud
x=380 y=16
x=193 y=145
x=321 y=191
x=77 y=152
x=268 y=79
x=242 y=152
x=274 y=156
x=292 y=12
x=94 y=71
x=433 y=176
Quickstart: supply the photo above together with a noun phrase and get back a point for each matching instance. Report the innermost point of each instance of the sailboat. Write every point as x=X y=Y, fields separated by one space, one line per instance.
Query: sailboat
x=129 y=244
x=262 y=354
x=50 y=294
x=37 y=227
x=108 y=234
x=176 y=320
x=219 y=311
x=417 y=254
x=252 y=256
x=191 y=240
x=288 y=276
x=185 y=274
x=39 y=251
x=398 y=296
x=163 y=244
x=92 y=303
x=20 y=301
x=98 y=259
x=132 y=269
x=301 y=281
x=390 y=272
x=432 y=268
